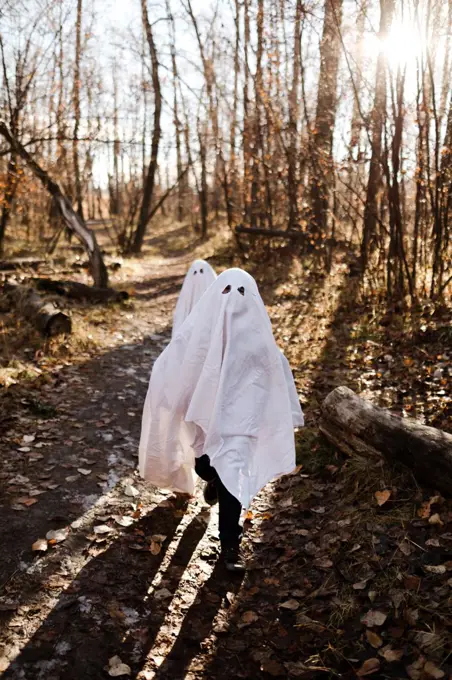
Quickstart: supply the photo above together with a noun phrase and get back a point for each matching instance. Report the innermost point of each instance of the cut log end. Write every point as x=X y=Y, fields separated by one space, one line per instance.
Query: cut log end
x=56 y=324
x=48 y=319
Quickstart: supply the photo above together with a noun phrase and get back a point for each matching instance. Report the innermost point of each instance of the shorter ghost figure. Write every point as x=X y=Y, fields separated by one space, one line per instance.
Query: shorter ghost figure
x=197 y=280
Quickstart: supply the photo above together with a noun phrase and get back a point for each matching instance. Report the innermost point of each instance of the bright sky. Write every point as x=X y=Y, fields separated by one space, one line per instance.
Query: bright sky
x=123 y=20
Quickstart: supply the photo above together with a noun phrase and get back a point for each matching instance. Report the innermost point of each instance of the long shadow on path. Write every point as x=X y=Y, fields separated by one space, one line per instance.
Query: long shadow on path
x=105 y=611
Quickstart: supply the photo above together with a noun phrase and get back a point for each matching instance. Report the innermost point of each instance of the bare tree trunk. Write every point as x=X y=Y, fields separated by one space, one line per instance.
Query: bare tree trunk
x=357 y=122
x=257 y=140
x=447 y=65
x=10 y=192
x=246 y=117
x=210 y=80
x=233 y=160
x=398 y=268
x=377 y=122
x=190 y=157
x=292 y=175
x=115 y=208
x=77 y=113
x=177 y=123
x=420 y=217
x=203 y=195
x=442 y=235
x=322 y=176
x=143 y=219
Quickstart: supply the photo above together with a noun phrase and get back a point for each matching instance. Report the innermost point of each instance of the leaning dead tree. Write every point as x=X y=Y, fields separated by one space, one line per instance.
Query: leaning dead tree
x=357 y=427
x=72 y=220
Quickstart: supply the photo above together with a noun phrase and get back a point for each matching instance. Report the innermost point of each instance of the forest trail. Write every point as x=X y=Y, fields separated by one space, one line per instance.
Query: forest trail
x=337 y=581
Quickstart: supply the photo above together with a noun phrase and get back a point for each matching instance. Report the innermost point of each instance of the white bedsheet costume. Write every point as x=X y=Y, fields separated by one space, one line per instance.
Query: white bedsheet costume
x=222 y=373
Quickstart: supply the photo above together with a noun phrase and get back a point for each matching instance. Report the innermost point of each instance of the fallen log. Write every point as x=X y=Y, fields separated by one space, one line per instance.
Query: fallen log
x=270 y=233
x=21 y=263
x=45 y=316
x=356 y=426
x=79 y=291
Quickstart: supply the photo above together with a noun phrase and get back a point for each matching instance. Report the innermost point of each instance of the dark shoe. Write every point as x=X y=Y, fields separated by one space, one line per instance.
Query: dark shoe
x=233 y=559
x=211 y=493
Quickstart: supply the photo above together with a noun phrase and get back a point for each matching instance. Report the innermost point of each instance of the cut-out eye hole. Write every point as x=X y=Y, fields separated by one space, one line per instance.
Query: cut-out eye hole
x=227 y=290
x=195 y=272
x=201 y=271
x=241 y=290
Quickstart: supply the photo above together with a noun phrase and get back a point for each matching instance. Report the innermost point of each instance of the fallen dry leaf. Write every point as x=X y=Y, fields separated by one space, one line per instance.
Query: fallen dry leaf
x=116 y=668
x=374 y=617
x=382 y=496
x=426 y=508
x=411 y=616
x=412 y=582
x=102 y=529
x=319 y=510
x=369 y=666
x=436 y=568
x=40 y=545
x=405 y=548
x=290 y=604
x=373 y=639
x=123 y=520
x=391 y=655
x=273 y=668
x=84 y=471
x=27 y=501
x=155 y=548
x=414 y=670
x=156 y=543
x=435 y=519
x=131 y=491
x=72 y=478
x=433 y=671
x=271 y=581
x=19 y=479
x=58 y=535
x=247 y=619
x=323 y=563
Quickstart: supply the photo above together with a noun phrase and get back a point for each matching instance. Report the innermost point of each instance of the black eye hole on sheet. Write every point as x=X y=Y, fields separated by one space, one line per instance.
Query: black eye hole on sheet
x=201 y=271
x=241 y=290
x=227 y=290
x=195 y=272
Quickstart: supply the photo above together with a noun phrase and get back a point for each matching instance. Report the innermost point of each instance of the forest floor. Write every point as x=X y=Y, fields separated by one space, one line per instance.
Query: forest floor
x=351 y=561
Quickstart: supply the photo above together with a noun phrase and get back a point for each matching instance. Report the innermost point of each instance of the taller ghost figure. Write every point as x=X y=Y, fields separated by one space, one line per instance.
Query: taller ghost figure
x=197 y=280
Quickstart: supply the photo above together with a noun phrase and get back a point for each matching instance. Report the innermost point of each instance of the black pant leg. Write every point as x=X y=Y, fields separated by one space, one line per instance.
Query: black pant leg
x=229 y=516
x=229 y=507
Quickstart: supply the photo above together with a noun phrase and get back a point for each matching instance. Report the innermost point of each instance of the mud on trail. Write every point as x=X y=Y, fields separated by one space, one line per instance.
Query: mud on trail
x=351 y=562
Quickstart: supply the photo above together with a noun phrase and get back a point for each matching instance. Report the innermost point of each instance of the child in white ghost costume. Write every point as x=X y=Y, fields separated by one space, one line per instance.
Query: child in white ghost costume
x=221 y=401
x=197 y=280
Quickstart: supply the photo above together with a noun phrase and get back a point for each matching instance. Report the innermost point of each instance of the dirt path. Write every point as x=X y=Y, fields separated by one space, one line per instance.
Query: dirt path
x=136 y=576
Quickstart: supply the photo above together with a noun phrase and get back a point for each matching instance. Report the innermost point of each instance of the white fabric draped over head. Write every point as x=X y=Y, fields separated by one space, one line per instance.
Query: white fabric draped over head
x=224 y=377
x=197 y=280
